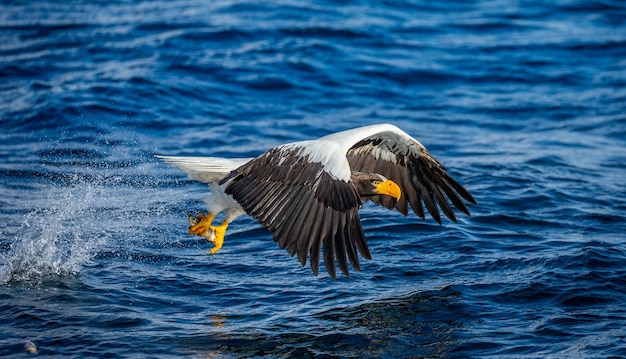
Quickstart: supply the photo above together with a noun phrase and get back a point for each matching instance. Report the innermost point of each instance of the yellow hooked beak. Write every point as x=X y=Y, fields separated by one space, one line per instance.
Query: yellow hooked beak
x=389 y=188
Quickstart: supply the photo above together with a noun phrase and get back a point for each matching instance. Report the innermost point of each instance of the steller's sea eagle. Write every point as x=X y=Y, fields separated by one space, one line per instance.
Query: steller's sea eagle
x=308 y=193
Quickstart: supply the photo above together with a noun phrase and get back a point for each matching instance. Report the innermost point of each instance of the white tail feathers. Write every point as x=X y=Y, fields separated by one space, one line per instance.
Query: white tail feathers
x=205 y=169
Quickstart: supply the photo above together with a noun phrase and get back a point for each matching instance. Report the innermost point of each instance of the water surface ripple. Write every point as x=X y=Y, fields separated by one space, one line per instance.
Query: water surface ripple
x=524 y=102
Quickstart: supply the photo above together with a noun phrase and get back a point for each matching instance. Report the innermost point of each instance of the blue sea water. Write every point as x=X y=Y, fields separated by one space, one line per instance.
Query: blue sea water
x=523 y=102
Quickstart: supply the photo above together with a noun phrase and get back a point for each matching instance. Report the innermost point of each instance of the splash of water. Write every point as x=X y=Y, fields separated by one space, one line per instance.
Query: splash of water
x=59 y=238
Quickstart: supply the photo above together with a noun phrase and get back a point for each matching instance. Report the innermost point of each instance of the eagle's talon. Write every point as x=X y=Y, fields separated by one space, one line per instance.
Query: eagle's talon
x=200 y=225
x=217 y=234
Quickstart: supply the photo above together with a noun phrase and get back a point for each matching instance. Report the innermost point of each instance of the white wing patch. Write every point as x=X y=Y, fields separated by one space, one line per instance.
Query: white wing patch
x=328 y=153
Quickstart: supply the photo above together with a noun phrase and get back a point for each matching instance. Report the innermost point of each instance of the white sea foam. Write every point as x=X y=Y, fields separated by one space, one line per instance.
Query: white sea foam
x=59 y=237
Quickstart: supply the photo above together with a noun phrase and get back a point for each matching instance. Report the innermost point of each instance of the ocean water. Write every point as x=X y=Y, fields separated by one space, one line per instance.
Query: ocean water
x=523 y=102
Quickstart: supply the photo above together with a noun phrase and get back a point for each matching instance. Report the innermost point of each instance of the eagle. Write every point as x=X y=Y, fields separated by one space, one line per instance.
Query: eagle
x=308 y=193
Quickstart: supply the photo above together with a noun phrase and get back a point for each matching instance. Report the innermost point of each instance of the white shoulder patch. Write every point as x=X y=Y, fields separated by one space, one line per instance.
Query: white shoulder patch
x=328 y=153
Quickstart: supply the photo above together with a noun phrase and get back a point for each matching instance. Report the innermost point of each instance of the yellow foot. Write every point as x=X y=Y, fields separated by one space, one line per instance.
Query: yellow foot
x=200 y=225
x=216 y=236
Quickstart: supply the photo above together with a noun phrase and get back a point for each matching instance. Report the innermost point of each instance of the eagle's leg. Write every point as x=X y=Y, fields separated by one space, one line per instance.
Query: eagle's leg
x=217 y=237
x=200 y=225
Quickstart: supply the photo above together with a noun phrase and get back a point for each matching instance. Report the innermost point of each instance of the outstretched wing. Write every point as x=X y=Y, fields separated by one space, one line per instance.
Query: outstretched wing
x=291 y=192
x=402 y=159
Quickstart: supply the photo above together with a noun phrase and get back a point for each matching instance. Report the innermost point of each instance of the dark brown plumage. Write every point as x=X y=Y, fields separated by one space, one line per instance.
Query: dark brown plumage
x=307 y=194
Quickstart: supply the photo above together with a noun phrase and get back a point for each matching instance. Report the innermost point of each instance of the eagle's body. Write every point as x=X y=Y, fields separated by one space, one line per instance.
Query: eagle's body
x=308 y=193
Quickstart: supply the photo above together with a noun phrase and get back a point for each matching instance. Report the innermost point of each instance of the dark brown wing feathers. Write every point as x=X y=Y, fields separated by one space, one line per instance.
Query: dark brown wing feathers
x=421 y=177
x=303 y=206
x=308 y=210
